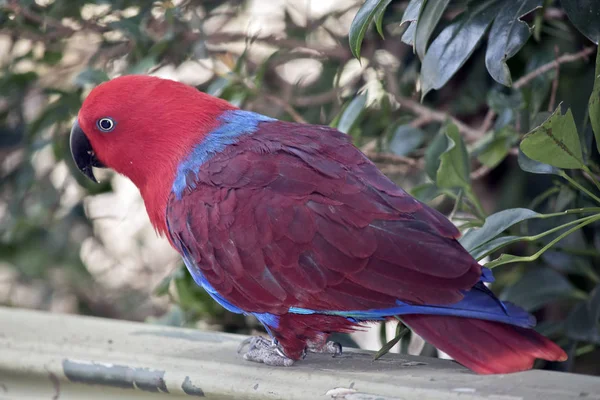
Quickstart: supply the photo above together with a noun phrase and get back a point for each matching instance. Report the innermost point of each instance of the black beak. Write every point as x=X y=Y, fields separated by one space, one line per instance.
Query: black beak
x=82 y=152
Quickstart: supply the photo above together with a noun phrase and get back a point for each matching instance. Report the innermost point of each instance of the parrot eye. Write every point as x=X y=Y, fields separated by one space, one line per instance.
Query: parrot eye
x=106 y=124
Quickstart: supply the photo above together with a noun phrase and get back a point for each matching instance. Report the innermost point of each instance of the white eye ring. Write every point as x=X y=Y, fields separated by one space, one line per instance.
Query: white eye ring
x=106 y=124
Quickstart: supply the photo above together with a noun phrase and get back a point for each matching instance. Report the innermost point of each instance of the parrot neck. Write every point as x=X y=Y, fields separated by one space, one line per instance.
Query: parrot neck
x=233 y=124
x=181 y=165
x=194 y=126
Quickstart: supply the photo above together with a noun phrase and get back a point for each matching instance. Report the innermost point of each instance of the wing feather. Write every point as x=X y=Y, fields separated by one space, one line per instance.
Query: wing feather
x=295 y=216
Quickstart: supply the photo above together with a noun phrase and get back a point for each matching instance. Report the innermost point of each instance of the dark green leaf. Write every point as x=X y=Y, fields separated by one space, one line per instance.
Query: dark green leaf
x=492 y=245
x=362 y=21
x=217 y=86
x=535 y=167
x=129 y=26
x=411 y=14
x=163 y=287
x=495 y=147
x=454 y=169
x=455 y=44
x=508 y=34
x=537 y=90
x=379 y=20
x=584 y=14
x=406 y=139
x=594 y=102
x=583 y=322
x=401 y=331
x=555 y=142
x=142 y=66
x=91 y=77
x=438 y=145
x=494 y=225
x=425 y=192
x=52 y=57
x=538 y=287
x=351 y=113
x=500 y=101
x=428 y=20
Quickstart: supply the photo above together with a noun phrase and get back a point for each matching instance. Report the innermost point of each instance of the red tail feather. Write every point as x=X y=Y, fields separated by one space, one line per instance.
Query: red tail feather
x=485 y=347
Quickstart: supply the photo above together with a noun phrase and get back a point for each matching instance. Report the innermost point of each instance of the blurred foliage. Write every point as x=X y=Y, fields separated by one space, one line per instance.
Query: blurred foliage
x=487 y=110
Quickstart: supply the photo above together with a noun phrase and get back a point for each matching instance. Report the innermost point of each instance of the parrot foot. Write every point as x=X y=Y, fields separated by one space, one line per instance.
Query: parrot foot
x=327 y=347
x=265 y=351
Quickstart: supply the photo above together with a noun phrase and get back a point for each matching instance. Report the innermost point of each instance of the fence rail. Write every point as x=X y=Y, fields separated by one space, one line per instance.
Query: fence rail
x=61 y=357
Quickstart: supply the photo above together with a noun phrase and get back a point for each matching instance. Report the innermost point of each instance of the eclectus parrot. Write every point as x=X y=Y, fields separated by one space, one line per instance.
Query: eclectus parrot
x=291 y=223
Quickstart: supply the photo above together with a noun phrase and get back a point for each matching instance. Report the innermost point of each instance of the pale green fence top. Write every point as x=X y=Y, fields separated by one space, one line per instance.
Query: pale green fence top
x=61 y=357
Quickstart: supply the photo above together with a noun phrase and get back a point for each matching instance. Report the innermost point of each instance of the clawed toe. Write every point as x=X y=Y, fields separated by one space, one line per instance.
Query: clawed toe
x=329 y=347
x=264 y=351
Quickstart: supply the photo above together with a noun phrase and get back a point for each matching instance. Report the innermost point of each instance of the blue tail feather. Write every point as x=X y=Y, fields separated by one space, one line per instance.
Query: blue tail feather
x=479 y=303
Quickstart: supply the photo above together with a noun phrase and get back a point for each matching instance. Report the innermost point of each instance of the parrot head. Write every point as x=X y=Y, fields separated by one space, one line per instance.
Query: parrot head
x=142 y=127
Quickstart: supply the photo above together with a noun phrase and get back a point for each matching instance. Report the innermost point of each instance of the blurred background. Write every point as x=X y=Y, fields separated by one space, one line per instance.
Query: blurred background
x=69 y=246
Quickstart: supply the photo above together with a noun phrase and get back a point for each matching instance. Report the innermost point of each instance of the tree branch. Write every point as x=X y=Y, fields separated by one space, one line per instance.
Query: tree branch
x=565 y=58
x=526 y=79
x=291 y=44
x=424 y=112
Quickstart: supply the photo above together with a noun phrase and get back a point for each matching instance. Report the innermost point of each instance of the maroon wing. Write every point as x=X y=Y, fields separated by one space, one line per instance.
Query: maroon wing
x=296 y=216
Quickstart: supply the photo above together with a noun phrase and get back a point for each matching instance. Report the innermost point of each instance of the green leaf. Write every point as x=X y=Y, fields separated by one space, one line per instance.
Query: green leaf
x=555 y=142
x=428 y=20
x=410 y=16
x=129 y=27
x=537 y=89
x=401 y=331
x=583 y=322
x=492 y=245
x=52 y=57
x=432 y=155
x=406 y=139
x=455 y=44
x=217 y=86
x=163 y=287
x=594 y=102
x=379 y=20
x=584 y=14
x=362 y=21
x=91 y=76
x=351 y=113
x=507 y=36
x=538 y=287
x=494 y=225
x=425 y=192
x=535 y=167
x=500 y=101
x=454 y=170
x=493 y=148
x=142 y=66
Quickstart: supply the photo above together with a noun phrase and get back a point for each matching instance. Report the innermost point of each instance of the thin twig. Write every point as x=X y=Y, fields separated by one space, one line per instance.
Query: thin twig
x=326 y=97
x=565 y=58
x=552 y=101
x=292 y=44
x=526 y=79
x=420 y=121
x=422 y=111
x=487 y=121
x=285 y=105
x=44 y=20
x=480 y=172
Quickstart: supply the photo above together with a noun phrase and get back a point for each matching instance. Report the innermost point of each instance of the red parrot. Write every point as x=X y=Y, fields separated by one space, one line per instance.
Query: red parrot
x=293 y=224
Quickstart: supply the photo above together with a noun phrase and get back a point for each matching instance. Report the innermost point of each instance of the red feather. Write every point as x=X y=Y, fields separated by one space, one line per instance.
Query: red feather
x=325 y=234
x=296 y=216
x=485 y=347
x=303 y=219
